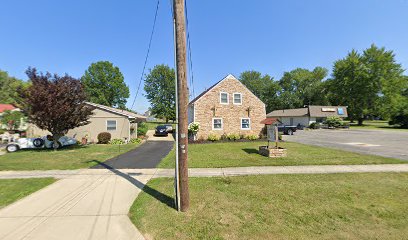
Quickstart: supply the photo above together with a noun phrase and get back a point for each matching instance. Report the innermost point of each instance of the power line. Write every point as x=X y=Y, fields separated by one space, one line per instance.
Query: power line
x=189 y=52
x=145 y=61
x=147 y=54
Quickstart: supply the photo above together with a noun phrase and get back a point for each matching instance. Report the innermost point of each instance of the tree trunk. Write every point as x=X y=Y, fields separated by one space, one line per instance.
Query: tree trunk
x=167 y=120
x=55 y=138
x=360 y=121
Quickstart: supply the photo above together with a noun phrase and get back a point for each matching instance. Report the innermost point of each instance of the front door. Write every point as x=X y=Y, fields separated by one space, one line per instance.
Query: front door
x=291 y=121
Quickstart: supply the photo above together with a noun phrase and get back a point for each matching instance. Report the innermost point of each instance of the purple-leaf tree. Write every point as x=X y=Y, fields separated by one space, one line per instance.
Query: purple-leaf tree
x=55 y=103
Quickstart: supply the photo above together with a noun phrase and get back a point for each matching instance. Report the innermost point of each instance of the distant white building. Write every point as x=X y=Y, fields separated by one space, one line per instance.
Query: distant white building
x=307 y=115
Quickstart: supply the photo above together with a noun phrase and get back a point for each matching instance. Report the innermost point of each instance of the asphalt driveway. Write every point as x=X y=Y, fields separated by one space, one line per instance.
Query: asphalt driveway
x=148 y=155
x=385 y=143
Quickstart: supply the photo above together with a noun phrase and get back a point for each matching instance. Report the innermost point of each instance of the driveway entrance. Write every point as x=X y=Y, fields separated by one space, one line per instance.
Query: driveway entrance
x=148 y=155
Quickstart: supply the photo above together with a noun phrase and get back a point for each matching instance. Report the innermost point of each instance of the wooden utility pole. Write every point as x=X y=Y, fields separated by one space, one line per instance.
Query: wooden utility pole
x=182 y=99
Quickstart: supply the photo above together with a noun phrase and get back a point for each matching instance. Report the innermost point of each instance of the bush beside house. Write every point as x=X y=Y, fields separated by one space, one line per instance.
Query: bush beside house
x=104 y=137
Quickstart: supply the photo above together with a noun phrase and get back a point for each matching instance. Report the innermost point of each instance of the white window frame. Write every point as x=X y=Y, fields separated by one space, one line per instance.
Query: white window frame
x=248 y=123
x=233 y=98
x=227 y=98
x=222 y=124
x=116 y=125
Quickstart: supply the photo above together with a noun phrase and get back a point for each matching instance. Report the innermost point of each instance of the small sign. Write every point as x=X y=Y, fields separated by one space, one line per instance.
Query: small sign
x=271 y=132
x=328 y=109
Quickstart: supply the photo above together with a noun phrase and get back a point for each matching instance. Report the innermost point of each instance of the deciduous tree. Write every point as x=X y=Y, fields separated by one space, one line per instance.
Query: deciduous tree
x=12 y=119
x=264 y=87
x=301 y=87
x=10 y=88
x=160 y=92
x=56 y=104
x=104 y=84
x=370 y=83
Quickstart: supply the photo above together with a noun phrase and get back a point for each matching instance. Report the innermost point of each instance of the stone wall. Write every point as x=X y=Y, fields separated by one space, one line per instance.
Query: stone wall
x=208 y=107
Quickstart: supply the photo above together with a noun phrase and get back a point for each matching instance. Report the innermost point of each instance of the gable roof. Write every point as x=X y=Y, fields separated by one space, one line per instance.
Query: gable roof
x=229 y=76
x=270 y=121
x=317 y=111
x=297 y=112
x=312 y=111
x=117 y=111
x=6 y=107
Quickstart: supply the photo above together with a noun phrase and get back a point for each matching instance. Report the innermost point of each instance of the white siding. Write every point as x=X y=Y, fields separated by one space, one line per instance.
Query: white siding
x=296 y=120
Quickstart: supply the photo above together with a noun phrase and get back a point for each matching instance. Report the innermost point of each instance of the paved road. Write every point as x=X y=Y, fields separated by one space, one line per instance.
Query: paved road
x=385 y=143
x=148 y=155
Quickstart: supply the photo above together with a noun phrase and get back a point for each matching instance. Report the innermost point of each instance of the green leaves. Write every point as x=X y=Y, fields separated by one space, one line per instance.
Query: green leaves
x=160 y=92
x=369 y=83
x=10 y=88
x=11 y=119
x=104 y=84
x=294 y=90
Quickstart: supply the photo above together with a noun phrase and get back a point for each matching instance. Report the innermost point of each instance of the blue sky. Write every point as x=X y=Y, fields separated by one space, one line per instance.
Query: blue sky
x=227 y=36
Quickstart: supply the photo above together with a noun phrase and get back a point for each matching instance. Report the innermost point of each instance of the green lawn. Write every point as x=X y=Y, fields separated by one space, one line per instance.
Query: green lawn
x=67 y=158
x=320 y=206
x=376 y=124
x=243 y=154
x=13 y=189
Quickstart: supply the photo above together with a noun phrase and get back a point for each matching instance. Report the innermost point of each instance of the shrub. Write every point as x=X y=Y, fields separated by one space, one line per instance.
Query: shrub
x=2 y=131
x=213 y=138
x=400 y=118
x=116 y=141
x=252 y=137
x=314 y=125
x=104 y=137
x=279 y=137
x=333 y=121
x=142 y=129
x=193 y=127
x=233 y=137
x=135 y=140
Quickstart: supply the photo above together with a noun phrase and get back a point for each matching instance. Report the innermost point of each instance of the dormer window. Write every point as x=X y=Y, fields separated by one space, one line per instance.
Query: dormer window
x=238 y=98
x=224 y=98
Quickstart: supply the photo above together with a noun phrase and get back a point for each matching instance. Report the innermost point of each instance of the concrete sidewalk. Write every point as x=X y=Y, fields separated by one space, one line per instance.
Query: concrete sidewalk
x=79 y=206
x=210 y=172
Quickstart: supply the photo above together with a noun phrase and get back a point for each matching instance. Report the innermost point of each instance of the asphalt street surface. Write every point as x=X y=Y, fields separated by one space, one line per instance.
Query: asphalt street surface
x=387 y=143
x=147 y=155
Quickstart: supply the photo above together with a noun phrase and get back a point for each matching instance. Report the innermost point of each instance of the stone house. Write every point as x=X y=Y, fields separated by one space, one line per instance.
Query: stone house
x=307 y=115
x=227 y=107
x=119 y=123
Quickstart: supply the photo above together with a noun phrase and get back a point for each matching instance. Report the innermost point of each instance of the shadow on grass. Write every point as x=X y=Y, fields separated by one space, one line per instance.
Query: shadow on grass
x=163 y=198
x=250 y=150
x=62 y=149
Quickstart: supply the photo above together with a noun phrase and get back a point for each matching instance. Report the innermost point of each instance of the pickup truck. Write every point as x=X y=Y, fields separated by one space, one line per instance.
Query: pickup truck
x=285 y=129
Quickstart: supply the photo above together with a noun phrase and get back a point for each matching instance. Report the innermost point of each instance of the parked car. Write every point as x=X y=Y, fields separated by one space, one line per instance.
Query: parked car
x=169 y=128
x=285 y=129
x=161 y=130
x=39 y=143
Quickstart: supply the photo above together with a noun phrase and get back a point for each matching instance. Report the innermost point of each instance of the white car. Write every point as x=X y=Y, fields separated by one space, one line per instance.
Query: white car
x=41 y=142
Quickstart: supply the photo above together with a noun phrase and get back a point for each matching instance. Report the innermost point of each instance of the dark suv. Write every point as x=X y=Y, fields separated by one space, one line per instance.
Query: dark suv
x=161 y=130
x=288 y=130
